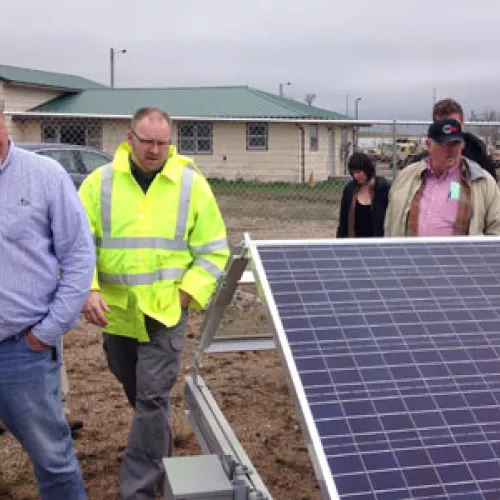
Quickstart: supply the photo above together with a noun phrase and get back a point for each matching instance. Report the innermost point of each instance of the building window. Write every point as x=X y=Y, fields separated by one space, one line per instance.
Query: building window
x=73 y=133
x=195 y=138
x=313 y=137
x=94 y=136
x=257 y=135
x=79 y=132
x=49 y=133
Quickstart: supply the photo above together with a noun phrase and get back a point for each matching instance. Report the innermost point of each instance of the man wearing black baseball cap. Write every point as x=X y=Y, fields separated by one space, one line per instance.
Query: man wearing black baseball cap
x=449 y=133
x=445 y=194
x=474 y=148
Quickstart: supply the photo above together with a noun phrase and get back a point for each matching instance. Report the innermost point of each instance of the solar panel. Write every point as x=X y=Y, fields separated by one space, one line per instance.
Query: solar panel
x=393 y=352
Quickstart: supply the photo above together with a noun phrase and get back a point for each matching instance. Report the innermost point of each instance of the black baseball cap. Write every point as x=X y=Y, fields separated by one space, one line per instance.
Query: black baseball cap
x=445 y=131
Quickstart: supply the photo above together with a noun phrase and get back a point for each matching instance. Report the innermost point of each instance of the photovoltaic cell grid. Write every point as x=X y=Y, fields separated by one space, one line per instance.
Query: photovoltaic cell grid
x=397 y=347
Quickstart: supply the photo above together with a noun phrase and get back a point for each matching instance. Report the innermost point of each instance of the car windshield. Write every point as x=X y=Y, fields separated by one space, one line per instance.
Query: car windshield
x=93 y=160
x=65 y=157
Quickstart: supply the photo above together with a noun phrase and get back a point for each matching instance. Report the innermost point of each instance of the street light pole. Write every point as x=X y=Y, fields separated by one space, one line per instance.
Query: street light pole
x=281 y=88
x=356 y=115
x=112 y=53
x=356 y=107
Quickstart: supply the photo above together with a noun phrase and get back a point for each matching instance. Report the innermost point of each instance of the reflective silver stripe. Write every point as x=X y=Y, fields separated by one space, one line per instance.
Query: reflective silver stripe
x=208 y=266
x=140 y=278
x=134 y=243
x=106 y=188
x=140 y=242
x=184 y=201
x=213 y=246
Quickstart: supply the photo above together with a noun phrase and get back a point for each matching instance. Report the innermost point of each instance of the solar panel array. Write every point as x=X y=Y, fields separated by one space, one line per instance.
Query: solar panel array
x=396 y=346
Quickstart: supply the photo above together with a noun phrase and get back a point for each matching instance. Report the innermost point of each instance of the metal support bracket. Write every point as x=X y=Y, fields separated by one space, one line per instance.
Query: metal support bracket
x=226 y=287
x=215 y=436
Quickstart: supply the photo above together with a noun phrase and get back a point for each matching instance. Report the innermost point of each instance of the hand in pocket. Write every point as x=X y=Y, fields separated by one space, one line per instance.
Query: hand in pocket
x=35 y=343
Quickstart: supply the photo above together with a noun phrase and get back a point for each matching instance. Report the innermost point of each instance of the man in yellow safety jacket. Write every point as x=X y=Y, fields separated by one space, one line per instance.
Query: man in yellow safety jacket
x=161 y=245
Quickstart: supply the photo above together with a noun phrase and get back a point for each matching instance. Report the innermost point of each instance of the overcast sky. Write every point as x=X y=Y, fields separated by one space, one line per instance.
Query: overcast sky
x=391 y=53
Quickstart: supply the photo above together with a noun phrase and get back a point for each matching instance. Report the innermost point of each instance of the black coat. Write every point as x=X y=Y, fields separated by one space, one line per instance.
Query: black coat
x=379 y=206
x=474 y=149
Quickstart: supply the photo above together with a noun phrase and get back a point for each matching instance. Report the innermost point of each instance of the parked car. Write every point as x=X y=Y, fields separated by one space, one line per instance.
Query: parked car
x=78 y=161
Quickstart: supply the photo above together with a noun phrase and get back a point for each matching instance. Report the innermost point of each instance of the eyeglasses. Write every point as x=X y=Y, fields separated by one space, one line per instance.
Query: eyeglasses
x=151 y=143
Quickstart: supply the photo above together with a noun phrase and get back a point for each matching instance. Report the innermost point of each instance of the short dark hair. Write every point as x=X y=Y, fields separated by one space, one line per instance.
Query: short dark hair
x=361 y=162
x=445 y=108
x=148 y=111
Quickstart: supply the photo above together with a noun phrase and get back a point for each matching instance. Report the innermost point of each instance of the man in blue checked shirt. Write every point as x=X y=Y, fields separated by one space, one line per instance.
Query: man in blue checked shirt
x=43 y=230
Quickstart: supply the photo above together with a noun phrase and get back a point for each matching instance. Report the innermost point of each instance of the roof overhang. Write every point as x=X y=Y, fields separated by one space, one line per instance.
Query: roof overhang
x=69 y=90
x=270 y=119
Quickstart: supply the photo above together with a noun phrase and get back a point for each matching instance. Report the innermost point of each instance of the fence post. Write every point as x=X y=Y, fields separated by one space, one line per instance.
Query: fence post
x=394 y=151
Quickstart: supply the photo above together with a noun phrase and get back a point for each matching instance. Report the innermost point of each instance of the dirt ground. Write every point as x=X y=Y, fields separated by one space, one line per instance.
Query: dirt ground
x=249 y=387
x=267 y=219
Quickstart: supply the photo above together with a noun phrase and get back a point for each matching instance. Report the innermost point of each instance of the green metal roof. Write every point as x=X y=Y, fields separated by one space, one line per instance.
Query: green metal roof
x=206 y=102
x=14 y=74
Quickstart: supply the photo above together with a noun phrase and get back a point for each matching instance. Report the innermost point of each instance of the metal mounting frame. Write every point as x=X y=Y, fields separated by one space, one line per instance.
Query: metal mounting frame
x=212 y=430
x=226 y=287
x=216 y=436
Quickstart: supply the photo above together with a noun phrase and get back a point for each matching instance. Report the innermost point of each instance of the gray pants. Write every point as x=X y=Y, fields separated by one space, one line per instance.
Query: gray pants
x=147 y=372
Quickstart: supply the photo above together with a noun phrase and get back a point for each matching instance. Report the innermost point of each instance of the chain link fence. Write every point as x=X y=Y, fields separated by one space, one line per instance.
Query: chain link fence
x=273 y=180
x=267 y=178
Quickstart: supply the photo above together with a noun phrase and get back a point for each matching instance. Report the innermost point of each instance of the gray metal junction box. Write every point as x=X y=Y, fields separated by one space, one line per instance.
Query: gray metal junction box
x=196 y=478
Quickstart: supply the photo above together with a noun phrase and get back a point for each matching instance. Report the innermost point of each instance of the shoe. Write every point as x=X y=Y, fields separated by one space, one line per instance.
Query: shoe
x=75 y=426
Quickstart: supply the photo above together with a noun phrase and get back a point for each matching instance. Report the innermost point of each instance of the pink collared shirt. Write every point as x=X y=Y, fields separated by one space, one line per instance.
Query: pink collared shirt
x=439 y=203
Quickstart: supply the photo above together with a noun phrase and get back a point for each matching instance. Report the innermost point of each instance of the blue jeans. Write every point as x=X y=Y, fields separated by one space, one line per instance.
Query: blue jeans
x=30 y=406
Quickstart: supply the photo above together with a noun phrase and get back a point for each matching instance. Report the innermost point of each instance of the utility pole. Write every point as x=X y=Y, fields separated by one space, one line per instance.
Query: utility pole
x=112 y=53
x=356 y=107
x=356 y=115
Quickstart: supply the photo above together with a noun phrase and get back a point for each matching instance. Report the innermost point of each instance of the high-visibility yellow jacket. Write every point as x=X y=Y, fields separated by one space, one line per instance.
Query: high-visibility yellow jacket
x=150 y=246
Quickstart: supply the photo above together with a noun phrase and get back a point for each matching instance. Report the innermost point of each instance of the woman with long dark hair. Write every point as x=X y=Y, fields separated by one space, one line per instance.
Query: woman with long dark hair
x=364 y=200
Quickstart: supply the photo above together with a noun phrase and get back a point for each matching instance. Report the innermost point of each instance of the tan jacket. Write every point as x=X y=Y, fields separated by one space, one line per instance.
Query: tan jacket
x=485 y=198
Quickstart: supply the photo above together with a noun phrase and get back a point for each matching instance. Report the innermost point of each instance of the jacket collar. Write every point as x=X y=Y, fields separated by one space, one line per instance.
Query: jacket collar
x=121 y=162
x=473 y=170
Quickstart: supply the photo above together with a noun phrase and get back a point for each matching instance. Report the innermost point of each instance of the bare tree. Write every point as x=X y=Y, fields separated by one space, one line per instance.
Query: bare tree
x=309 y=98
